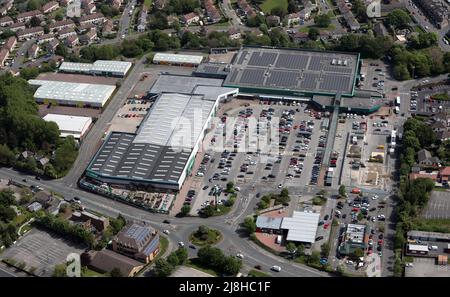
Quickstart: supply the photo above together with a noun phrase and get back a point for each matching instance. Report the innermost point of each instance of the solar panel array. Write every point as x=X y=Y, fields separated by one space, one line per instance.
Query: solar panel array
x=296 y=70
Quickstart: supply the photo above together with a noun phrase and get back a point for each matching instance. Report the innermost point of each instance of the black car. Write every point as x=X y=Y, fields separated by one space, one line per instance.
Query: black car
x=166 y=222
x=37 y=177
x=319 y=238
x=24 y=180
x=205 y=187
x=192 y=247
x=344 y=216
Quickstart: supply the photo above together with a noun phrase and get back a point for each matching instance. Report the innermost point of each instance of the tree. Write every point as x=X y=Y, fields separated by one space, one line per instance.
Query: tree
x=65 y=155
x=398 y=18
x=61 y=50
x=59 y=16
x=172 y=259
x=342 y=191
x=322 y=20
x=182 y=255
x=185 y=209
x=208 y=211
x=115 y=272
x=117 y=224
x=35 y=21
x=279 y=10
x=325 y=249
x=202 y=232
x=358 y=253
x=210 y=256
x=163 y=268
x=60 y=271
x=29 y=73
x=291 y=248
x=7 y=156
x=292 y=6
x=231 y=266
x=249 y=225
x=313 y=33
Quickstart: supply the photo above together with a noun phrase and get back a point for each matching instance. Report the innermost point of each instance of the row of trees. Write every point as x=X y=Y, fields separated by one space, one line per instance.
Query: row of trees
x=8 y=231
x=282 y=198
x=216 y=260
x=213 y=39
x=164 y=268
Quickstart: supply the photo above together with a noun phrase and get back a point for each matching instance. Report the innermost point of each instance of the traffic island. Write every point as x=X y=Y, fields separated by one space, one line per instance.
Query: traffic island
x=205 y=236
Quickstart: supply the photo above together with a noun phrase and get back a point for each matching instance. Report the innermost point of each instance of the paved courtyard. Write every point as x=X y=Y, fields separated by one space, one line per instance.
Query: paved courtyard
x=438 y=206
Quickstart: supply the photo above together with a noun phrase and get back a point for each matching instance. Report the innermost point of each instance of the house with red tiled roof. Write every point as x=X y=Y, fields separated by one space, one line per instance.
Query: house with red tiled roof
x=30 y=33
x=90 y=9
x=96 y=18
x=190 y=18
x=444 y=174
x=72 y=40
x=10 y=43
x=64 y=33
x=4 y=53
x=33 y=51
x=26 y=16
x=6 y=21
x=59 y=25
x=17 y=26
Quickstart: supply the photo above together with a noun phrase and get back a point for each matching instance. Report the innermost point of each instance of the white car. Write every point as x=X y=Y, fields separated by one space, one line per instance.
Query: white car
x=276 y=268
x=181 y=244
x=166 y=232
x=240 y=256
x=349 y=262
x=280 y=186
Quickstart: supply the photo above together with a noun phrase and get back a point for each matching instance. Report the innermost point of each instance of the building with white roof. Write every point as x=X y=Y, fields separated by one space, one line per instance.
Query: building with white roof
x=301 y=227
x=99 y=67
x=177 y=59
x=72 y=94
x=70 y=125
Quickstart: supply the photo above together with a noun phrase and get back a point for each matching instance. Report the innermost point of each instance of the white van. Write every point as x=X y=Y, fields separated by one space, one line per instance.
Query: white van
x=279 y=239
x=433 y=247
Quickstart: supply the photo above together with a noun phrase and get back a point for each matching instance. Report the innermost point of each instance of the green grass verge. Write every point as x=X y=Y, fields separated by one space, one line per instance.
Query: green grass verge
x=194 y=263
x=433 y=225
x=441 y=96
x=148 y=3
x=214 y=236
x=257 y=273
x=86 y=272
x=268 y=5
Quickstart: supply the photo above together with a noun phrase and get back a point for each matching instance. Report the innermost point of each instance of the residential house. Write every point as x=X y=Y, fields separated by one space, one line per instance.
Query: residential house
x=4 y=53
x=190 y=18
x=212 y=13
x=292 y=18
x=444 y=175
x=142 y=20
x=27 y=16
x=246 y=8
x=90 y=9
x=49 y=7
x=85 y=3
x=72 y=40
x=64 y=33
x=116 y=3
x=32 y=53
x=234 y=33
x=160 y=4
x=86 y=27
x=351 y=21
x=17 y=27
x=89 y=37
x=96 y=18
x=6 y=6
x=137 y=241
x=108 y=28
x=99 y=222
x=65 y=2
x=423 y=174
x=273 y=20
x=46 y=38
x=171 y=19
x=10 y=43
x=426 y=160
x=30 y=33
x=380 y=29
x=52 y=45
x=6 y=21
x=59 y=25
x=35 y=206
x=105 y=261
x=300 y=37
x=44 y=160
x=305 y=13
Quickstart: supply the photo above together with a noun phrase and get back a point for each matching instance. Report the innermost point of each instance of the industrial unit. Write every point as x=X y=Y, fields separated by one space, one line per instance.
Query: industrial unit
x=301 y=227
x=177 y=59
x=70 y=125
x=99 y=67
x=71 y=94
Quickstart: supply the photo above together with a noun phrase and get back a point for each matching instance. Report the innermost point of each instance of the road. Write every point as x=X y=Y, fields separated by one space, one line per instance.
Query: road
x=423 y=21
x=125 y=19
x=92 y=141
x=20 y=55
x=6 y=273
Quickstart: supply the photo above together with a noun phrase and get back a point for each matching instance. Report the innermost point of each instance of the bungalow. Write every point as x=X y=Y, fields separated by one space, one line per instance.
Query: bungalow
x=90 y=9
x=246 y=8
x=32 y=53
x=26 y=16
x=190 y=18
x=6 y=21
x=108 y=28
x=96 y=18
x=423 y=174
x=293 y=18
x=10 y=43
x=30 y=33
x=46 y=38
x=212 y=12
x=4 y=53
x=426 y=160
x=64 y=33
x=17 y=26
x=300 y=37
x=49 y=7
x=59 y=25
x=273 y=20
x=52 y=45
x=234 y=33
x=72 y=40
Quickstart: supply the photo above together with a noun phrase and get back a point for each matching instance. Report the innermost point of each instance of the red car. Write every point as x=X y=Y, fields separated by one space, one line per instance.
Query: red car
x=326 y=225
x=380 y=242
x=355 y=209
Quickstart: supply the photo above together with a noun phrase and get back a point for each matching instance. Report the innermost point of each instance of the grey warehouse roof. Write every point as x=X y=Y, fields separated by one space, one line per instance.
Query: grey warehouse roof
x=177 y=58
x=302 y=226
x=182 y=83
x=296 y=70
x=265 y=222
x=72 y=92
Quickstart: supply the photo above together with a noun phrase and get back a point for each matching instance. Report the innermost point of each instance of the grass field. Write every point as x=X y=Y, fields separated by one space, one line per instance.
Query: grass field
x=257 y=273
x=214 y=237
x=148 y=3
x=268 y=5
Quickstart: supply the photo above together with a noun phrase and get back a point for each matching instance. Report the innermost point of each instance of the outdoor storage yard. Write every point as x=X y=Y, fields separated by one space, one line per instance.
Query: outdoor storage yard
x=41 y=250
